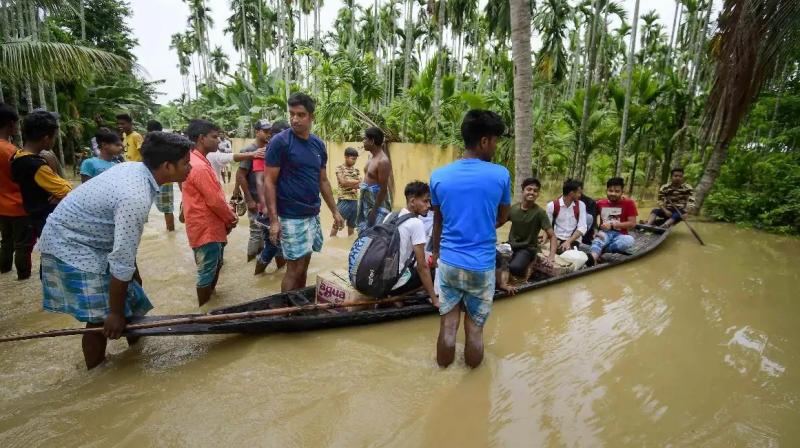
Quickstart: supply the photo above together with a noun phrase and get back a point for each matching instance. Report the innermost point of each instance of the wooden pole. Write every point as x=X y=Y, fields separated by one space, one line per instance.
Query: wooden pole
x=202 y=319
x=699 y=240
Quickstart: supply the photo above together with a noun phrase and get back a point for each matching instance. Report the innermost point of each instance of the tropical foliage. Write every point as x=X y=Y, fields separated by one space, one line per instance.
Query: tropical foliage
x=73 y=57
x=608 y=92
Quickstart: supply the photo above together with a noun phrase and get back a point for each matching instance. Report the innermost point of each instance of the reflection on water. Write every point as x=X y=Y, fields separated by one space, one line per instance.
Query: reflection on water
x=690 y=346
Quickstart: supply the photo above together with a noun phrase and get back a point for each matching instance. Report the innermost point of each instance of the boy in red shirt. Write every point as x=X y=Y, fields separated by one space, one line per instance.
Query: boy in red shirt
x=208 y=217
x=617 y=216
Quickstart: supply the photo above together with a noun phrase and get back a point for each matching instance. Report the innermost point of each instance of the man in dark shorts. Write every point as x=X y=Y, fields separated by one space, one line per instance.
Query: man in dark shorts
x=246 y=180
x=348 y=178
x=675 y=200
x=527 y=220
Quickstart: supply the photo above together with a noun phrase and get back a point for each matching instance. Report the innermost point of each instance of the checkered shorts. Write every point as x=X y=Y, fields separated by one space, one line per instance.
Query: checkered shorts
x=84 y=295
x=299 y=236
x=165 y=199
x=475 y=289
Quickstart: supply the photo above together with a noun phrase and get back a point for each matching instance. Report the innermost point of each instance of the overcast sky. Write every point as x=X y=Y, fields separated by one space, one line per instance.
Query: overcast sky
x=154 y=21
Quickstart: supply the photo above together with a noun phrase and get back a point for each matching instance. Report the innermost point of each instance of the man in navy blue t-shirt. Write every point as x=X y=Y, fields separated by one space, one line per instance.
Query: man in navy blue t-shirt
x=294 y=177
x=471 y=197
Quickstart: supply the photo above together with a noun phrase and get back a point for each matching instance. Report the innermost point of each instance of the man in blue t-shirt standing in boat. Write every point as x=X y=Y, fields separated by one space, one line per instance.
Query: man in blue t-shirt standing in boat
x=294 y=177
x=471 y=197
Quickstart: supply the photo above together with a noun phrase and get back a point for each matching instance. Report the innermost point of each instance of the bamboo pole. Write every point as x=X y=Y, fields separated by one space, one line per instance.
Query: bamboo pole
x=203 y=319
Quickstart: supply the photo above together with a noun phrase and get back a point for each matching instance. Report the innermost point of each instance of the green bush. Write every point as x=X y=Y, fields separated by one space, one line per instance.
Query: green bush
x=758 y=190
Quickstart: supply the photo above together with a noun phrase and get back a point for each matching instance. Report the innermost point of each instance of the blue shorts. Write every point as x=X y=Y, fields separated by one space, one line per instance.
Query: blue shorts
x=348 y=208
x=84 y=295
x=208 y=258
x=475 y=289
x=300 y=236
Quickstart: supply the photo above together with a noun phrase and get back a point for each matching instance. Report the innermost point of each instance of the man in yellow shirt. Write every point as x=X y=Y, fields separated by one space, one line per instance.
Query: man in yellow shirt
x=131 y=140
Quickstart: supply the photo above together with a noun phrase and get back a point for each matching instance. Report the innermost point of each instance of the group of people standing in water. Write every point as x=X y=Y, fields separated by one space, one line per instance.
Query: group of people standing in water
x=89 y=236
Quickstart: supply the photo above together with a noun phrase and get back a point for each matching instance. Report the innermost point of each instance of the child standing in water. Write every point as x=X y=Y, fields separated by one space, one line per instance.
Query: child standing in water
x=349 y=179
x=110 y=147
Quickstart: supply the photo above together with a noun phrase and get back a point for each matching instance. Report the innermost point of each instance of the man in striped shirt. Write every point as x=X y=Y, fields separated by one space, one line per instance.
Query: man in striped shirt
x=675 y=200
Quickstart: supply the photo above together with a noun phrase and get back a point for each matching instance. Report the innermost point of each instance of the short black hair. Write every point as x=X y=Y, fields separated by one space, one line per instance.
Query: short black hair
x=302 y=99
x=160 y=147
x=569 y=186
x=531 y=181
x=104 y=135
x=154 y=125
x=416 y=189
x=38 y=125
x=375 y=134
x=480 y=123
x=351 y=152
x=615 y=182
x=125 y=117
x=676 y=169
x=578 y=181
x=7 y=115
x=278 y=126
x=198 y=127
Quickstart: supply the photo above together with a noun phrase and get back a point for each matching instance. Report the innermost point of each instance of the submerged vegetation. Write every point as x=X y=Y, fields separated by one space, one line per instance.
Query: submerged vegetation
x=591 y=106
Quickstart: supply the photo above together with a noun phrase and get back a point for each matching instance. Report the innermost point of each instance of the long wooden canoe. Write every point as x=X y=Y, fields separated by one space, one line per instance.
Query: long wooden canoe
x=647 y=239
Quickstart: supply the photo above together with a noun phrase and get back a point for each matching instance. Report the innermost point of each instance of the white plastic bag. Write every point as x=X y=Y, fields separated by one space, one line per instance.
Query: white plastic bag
x=575 y=257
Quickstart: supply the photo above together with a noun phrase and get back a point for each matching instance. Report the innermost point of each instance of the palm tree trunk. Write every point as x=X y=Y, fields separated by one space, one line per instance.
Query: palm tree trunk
x=82 y=16
x=628 y=83
x=59 y=143
x=711 y=173
x=577 y=160
x=437 y=81
x=673 y=33
x=408 y=44
x=699 y=43
x=523 y=89
x=602 y=49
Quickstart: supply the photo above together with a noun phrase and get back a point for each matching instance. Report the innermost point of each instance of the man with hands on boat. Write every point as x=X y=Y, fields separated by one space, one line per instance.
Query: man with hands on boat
x=90 y=241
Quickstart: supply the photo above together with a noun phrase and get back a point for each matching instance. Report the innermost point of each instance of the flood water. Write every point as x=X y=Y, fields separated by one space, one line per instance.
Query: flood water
x=690 y=346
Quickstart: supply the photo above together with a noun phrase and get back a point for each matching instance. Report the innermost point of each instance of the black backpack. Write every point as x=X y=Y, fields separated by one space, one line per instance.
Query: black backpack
x=374 y=262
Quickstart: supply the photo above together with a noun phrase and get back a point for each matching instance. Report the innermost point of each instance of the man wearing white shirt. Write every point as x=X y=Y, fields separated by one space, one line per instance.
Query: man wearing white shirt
x=568 y=216
x=220 y=160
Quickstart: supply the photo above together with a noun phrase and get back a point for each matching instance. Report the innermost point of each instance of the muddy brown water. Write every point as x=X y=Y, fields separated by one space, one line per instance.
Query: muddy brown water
x=690 y=346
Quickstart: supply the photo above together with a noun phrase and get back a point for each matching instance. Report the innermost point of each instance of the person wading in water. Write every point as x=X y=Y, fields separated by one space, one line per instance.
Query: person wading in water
x=471 y=197
x=89 y=243
x=293 y=180
x=374 y=204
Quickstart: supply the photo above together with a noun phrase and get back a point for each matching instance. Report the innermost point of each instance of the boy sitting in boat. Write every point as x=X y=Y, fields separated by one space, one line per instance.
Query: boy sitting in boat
x=617 y=215
x=413 y=240
x=527 y=220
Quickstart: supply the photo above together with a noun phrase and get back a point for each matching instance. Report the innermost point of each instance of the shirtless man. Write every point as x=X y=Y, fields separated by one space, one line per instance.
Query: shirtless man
x=374 y=205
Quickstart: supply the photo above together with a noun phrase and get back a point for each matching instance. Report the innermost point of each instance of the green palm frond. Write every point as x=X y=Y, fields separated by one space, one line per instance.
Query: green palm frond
x=25 y=58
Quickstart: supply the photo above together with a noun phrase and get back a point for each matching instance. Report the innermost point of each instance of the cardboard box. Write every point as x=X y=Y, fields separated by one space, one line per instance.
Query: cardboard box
x=335 y=287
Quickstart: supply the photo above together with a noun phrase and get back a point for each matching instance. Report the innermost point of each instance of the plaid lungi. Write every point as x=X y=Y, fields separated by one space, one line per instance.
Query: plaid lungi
x=84 y=295
x=165 y=199
x=299 y=236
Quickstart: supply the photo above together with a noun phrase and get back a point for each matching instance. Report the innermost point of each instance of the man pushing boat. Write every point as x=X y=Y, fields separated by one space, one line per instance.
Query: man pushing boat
x=90 y=241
